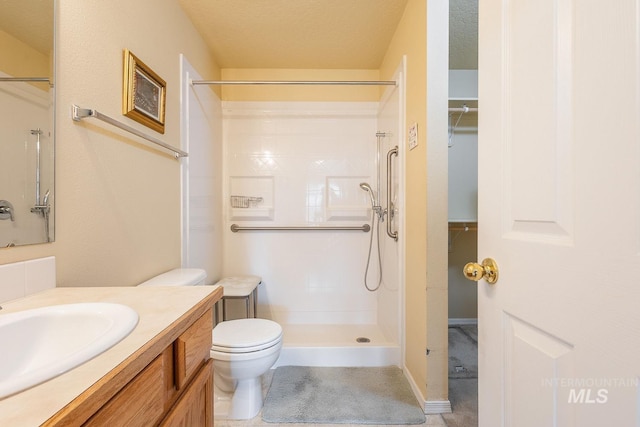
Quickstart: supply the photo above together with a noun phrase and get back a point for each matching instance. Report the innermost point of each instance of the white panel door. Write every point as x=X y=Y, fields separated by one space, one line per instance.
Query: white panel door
x=559 y=190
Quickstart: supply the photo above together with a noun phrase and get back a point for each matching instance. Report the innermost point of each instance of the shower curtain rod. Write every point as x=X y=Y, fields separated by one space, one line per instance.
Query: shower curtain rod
x=25 y=79
x=298 y=82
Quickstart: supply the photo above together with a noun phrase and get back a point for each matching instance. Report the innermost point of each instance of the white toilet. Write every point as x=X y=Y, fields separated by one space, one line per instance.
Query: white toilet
x=242 y=351
x=178 y=277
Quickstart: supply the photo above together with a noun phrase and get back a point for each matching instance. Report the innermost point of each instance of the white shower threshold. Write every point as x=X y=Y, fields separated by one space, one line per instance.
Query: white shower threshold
x=336 y=345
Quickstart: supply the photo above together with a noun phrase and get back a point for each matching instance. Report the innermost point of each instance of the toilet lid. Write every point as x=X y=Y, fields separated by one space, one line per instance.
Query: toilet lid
x=178 y=277
x=245 y=335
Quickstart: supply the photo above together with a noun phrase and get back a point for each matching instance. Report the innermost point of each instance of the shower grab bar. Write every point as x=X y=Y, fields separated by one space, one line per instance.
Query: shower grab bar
x=366 y=227
x=390 y=207
x=77 y=114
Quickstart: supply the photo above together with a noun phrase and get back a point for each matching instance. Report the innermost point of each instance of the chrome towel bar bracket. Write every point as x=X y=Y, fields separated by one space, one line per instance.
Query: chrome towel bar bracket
x=77 y=114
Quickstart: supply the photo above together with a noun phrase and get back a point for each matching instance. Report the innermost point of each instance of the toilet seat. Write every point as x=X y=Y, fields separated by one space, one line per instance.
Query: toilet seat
x=245 y=335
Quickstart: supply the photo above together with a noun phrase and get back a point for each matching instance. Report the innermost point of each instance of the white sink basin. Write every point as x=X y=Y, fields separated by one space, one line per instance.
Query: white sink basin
x=37 y=345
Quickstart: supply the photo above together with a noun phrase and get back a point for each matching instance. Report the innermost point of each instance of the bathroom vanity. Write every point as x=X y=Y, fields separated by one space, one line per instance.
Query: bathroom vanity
x=160 y=374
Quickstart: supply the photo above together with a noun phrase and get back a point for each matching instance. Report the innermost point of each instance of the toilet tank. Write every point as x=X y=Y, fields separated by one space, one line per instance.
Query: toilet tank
x=178 y=277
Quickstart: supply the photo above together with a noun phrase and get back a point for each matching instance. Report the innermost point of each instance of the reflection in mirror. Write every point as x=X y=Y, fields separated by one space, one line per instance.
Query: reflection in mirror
x=26 y=122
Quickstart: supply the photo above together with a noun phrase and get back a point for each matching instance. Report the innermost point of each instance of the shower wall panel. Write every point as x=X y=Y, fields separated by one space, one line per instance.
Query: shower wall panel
x=316 y=153
x=390 y=293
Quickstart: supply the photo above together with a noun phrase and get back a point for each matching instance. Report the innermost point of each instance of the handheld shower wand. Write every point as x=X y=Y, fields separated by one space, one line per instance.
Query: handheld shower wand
x=375 y=209
x=366 y=187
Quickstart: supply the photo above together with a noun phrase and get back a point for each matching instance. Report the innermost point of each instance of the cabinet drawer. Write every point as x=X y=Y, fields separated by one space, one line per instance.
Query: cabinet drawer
x=192 y=349
x=142 y=401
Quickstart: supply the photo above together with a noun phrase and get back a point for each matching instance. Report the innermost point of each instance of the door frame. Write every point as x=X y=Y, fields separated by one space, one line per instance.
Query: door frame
x=437 y=83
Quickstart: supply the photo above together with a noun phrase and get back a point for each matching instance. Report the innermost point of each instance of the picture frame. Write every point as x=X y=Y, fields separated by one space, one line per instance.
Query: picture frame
x=144 y=93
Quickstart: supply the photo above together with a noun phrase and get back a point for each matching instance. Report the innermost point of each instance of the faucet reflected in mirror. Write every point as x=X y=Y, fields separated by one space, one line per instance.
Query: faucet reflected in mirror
x=43 y=209
x=6 y=210
x=42 y=206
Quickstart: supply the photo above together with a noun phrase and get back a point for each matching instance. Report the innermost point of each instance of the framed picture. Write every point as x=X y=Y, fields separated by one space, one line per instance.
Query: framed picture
x=143 y=97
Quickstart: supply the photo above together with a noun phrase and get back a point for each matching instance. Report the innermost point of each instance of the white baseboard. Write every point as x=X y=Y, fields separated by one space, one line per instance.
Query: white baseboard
x=414 y=387
x=430 y=407
x=437 y=407
x=463 y=321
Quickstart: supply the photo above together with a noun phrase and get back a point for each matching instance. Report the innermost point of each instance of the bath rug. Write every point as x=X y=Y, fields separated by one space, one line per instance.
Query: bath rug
x=302 y=394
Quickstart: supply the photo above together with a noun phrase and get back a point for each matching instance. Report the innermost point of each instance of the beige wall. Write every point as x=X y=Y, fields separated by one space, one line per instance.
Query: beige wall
x=21 y=60
x=298 y=92
x=463 y=298
x=410 y=40
x=117 y=201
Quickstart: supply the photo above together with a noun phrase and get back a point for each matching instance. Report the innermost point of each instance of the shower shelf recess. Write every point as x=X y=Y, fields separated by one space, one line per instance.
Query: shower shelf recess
x=251 y=198
x=249 y=208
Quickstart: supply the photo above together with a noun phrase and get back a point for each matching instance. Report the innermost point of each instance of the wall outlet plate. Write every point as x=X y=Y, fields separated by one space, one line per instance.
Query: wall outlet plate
x=413 y=136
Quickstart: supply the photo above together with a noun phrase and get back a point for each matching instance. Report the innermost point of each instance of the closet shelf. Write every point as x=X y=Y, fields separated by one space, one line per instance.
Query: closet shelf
x=458 y=99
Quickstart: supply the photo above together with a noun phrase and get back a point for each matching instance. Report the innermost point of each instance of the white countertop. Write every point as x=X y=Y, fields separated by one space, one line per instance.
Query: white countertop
x=157 y=307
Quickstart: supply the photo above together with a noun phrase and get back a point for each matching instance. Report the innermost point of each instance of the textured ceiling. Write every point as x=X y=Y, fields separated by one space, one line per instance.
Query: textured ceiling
x=463 y=34
x=31 y=22
x=349 y=34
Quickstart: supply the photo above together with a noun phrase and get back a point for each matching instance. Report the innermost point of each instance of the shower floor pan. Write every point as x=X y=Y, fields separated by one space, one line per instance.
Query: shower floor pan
x=336 y=345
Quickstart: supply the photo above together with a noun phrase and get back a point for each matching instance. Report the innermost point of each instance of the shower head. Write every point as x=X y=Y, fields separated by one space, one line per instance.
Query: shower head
x=368 y=188
x=365 y=186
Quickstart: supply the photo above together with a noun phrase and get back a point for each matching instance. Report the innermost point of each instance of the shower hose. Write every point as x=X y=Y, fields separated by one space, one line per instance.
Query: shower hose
x=375 y=224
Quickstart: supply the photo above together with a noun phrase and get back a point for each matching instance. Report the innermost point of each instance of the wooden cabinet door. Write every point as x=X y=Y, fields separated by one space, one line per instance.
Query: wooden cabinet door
x=195 y=406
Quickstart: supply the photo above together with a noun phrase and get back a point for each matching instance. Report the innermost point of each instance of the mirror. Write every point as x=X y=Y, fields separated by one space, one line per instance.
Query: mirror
x=26 y=122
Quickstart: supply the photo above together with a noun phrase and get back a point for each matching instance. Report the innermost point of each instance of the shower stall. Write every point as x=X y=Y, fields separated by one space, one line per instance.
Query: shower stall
x=306 y=228
x=26 y=164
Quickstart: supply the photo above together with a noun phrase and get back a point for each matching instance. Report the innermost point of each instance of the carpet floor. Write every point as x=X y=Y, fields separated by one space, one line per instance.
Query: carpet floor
x=463 y=376
x=300 y=394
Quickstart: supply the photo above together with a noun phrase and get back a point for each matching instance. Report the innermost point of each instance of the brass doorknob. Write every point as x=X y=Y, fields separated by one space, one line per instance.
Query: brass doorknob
x=488 y=271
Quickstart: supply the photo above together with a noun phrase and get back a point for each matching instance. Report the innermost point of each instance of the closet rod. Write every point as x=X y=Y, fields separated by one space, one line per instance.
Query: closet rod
x=77 y=114
x=366 y=227
x=463 y=226
x=463 y=109
x=298 y=82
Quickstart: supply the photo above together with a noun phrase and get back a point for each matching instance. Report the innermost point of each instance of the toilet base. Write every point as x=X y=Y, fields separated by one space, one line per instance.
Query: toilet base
x=243 y=404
